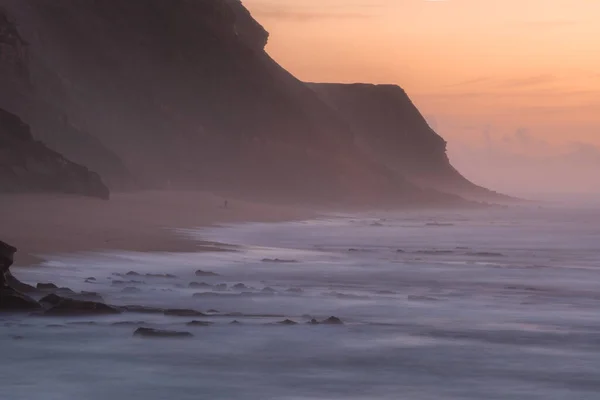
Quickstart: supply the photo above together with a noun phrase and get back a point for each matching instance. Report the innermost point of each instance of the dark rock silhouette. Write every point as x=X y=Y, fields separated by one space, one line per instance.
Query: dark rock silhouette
x=332 y=321
x=143 y=309
x=12 y=300
x=199 y=323
x=63 y=306
x=287 y=322
x=157 y=333
x=239 y=286
x=18 y=285
x=46 y=286
x=205 y=273
x=183 y=313
x=199 y=285
x=7 y=254
x=27 y=165
x=278 y=261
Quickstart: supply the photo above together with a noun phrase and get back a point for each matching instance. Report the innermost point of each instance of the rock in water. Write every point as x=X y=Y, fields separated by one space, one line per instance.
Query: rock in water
x=18 y=285
x=183 y=313
x=332 y=321
x=205 y=273
x=287 y=322
x=46 y=286
x=199 y=323
x=13 y=301
x=62 y=306
x=7 y=254
x=196 y=285
x=157 y=333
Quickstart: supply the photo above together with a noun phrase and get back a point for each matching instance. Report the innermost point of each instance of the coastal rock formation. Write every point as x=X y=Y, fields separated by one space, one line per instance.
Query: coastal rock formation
x=64 y=306
x=7 y=258
x=388 y=126
x=11 y=300
x=158 y=333
x=27 y=165
x=181 y=95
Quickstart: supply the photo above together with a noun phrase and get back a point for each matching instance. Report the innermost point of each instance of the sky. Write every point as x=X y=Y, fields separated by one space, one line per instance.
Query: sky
x=506 y=82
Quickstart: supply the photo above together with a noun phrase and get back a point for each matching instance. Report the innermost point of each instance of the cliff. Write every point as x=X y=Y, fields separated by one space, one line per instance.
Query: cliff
x=33 y=91
x=27 y=165
x=388 y=126
x=181 y=94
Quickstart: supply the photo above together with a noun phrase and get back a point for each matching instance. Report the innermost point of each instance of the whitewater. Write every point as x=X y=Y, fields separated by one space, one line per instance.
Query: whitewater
x=488 y=304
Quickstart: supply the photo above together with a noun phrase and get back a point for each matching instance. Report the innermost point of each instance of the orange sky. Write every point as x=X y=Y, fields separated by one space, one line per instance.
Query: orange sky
x=509 y=64
x=477 y=69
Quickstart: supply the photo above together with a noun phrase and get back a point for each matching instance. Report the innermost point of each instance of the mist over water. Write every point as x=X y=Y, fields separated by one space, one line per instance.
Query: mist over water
x=492 y=304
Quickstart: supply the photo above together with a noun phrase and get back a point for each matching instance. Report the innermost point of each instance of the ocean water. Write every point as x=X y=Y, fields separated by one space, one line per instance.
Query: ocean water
x=492 y=304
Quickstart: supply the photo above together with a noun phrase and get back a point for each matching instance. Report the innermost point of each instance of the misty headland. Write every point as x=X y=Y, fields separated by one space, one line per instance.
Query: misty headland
x=181 y=96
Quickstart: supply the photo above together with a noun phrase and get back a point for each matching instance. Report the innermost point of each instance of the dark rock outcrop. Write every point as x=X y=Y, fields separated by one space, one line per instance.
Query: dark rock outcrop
x=11 y=299
x=7 y=258
x=332 y=321
x=158 y=333
x=63 y=306
x=287 y=322
x=199 y=285
x=205 y=273
x=14 y=301
x=18 y=285
x=199 y=323
x=46 y=286
x=183 y=313
x=27 y=165
x=143 y=309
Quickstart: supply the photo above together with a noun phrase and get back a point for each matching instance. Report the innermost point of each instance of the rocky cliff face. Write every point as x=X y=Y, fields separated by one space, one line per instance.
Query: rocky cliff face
x=32 y=90
x=181 y=94
x=27 y=165
x=386 y=124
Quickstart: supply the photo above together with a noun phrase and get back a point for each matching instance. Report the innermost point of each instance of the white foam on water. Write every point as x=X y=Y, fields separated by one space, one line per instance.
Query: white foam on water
x=478 y=305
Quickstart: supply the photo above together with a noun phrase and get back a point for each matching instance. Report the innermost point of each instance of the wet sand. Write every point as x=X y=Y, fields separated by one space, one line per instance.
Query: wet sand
x=43 y=224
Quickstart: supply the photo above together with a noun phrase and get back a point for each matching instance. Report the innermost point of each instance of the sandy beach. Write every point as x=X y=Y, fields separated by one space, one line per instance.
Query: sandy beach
x=40 y=225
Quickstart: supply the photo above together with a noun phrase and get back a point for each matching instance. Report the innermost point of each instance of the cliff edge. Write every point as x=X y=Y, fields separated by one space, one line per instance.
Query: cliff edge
x=27 y=165
x=387 y=125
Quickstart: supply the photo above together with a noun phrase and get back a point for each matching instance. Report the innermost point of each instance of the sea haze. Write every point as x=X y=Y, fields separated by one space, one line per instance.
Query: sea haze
x=489 y=304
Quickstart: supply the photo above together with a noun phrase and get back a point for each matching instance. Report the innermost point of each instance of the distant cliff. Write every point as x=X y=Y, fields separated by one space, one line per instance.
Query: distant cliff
x=386 y=124
x=181 y=94
x=27 y=165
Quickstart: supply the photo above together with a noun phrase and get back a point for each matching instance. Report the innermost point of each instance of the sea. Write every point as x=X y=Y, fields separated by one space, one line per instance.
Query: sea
x=498 y=303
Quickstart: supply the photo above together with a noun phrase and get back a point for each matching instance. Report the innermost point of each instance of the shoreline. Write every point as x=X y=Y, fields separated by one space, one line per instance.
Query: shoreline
x=47 y=224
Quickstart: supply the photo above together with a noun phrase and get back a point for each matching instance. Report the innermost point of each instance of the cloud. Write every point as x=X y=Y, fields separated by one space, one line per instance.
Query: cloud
x=470 y=82
x=520 y=162
x=331 y=9
x=557 y=23
x=529 y=81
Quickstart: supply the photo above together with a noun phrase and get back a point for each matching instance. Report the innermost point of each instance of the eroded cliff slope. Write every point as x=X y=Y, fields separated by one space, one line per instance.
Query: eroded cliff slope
x=28 y=166
x=387 y=125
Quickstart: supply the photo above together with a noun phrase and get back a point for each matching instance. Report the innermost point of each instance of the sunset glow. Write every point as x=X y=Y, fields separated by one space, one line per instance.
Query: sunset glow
x=477 y=69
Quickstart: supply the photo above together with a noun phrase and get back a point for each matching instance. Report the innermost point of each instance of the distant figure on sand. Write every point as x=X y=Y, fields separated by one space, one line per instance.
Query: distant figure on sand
x=225 y=204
